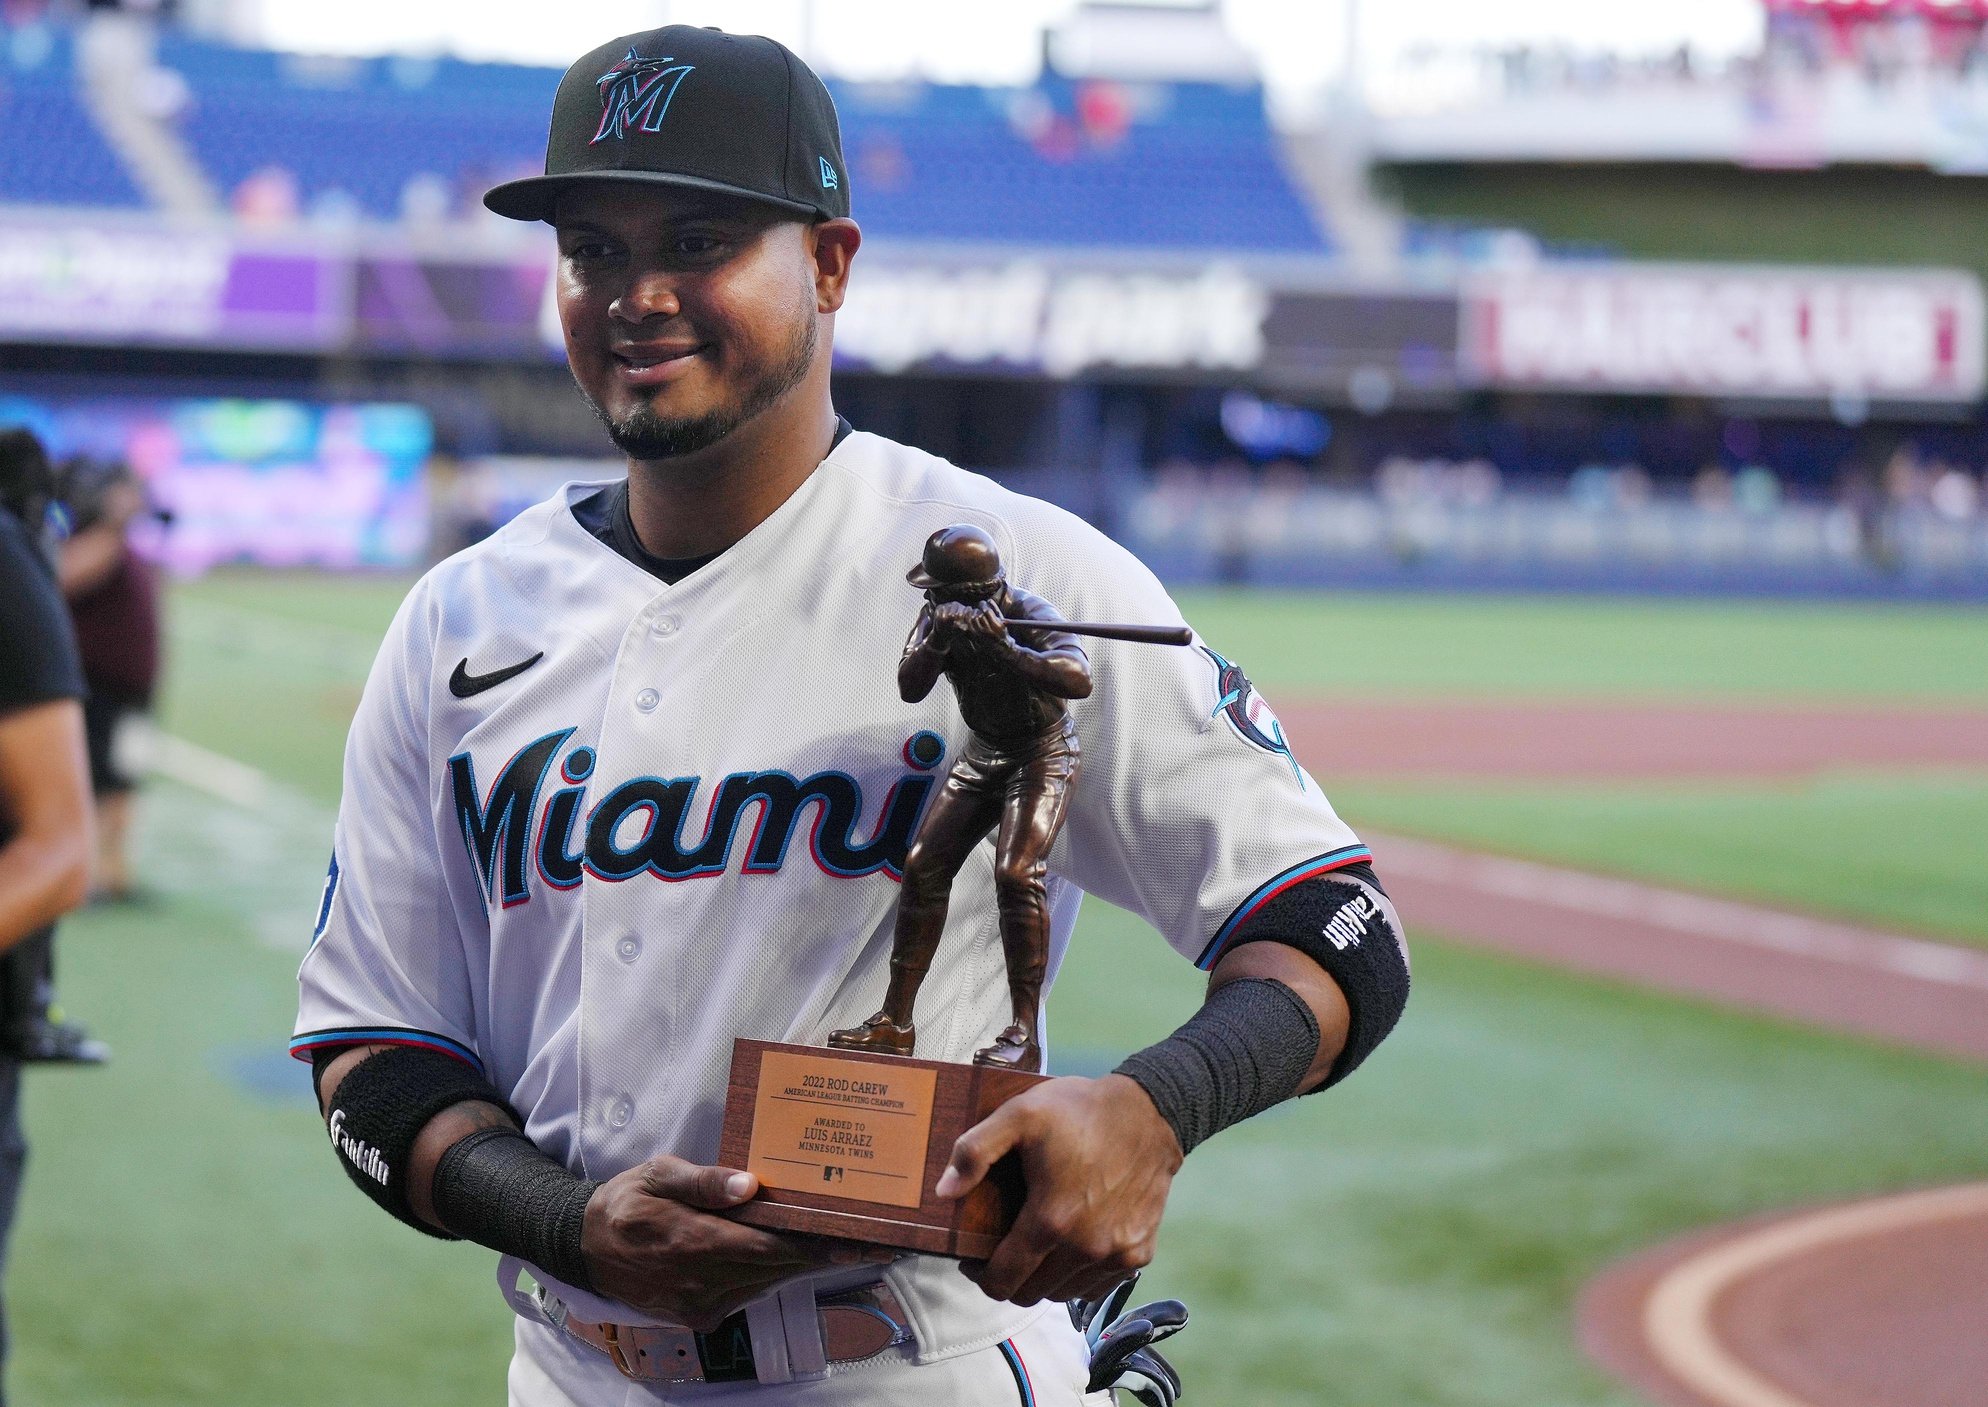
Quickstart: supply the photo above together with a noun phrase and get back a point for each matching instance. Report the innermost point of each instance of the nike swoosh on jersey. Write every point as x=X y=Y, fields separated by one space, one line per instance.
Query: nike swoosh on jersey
x=464 y=685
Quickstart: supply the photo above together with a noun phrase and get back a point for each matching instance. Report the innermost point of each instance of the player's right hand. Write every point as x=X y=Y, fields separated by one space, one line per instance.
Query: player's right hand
x=951 y=618
x=651 y=1241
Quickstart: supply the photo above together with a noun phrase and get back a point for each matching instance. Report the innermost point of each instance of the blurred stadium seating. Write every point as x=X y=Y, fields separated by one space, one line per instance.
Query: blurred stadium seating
x=68 y=162
x=1081 y=163
x=1181 y=166
x=358 y=136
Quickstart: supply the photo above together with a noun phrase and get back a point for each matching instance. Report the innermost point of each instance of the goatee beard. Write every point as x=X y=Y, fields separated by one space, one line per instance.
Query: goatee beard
x=643 y=434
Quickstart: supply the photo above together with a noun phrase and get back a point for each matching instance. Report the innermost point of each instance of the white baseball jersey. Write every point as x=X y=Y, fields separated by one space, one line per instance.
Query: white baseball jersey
x=684 y=821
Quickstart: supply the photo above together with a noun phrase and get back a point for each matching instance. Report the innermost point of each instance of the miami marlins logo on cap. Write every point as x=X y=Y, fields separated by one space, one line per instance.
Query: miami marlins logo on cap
x=636 y=93
x=1246 y=712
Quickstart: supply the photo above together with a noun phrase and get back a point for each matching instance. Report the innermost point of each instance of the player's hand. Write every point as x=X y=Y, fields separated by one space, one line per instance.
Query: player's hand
x=651 y=1241
x=985 y=620
x=949 y=619
x=1098 y=1161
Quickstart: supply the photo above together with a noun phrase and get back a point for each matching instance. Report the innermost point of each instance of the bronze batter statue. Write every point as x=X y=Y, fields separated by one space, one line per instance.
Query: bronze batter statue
x=1016 y=774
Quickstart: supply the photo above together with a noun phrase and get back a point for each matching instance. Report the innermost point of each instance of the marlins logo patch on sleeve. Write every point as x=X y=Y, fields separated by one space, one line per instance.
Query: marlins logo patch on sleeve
x=1246 y=712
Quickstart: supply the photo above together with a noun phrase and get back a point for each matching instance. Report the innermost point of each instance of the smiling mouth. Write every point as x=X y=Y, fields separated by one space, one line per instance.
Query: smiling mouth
x=643 y=359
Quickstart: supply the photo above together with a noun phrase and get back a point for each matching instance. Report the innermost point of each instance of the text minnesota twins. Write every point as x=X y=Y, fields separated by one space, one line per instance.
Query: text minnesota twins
x=509 y=833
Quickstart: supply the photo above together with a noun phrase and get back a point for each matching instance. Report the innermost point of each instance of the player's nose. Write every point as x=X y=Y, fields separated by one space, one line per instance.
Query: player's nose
x=648 y=295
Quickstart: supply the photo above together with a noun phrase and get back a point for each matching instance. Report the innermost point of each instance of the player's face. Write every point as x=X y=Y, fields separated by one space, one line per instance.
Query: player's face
x=685 y=315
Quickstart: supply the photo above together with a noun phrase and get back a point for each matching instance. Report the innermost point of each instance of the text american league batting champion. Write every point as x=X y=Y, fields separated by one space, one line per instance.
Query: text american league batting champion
x=633 y=777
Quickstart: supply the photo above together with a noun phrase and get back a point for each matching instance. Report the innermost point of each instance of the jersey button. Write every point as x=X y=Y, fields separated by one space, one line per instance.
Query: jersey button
x=628 y=949
x=620 y=1111
x=664 y=627
x=647 y=700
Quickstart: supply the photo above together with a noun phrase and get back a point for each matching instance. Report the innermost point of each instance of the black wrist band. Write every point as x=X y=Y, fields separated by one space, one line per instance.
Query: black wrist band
x=498 y=1189
x=1246 y=1049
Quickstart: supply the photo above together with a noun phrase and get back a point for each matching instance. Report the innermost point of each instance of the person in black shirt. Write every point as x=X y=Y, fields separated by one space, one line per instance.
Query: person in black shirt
x=45 y=818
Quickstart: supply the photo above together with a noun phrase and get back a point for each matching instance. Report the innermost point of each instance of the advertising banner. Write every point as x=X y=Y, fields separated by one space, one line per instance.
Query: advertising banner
x=276 y=483
x=63 y=283
x=1759 y=331
x=1903 y=336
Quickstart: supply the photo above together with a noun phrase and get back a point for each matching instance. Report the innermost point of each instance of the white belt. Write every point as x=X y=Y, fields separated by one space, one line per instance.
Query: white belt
x=793 y=1333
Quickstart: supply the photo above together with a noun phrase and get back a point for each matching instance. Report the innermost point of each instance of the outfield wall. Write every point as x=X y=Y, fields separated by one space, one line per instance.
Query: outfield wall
x=1318 y=537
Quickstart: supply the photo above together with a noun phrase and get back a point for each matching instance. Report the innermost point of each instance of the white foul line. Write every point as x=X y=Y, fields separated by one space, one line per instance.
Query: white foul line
x=192 y=765
x=1677 y=1317
x=1727 y=920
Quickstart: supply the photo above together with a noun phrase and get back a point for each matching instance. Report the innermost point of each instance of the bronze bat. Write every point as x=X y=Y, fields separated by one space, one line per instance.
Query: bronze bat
x=1139 y=634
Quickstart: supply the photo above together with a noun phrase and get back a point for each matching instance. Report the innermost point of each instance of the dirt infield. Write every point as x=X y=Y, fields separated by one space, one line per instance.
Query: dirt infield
x=1876 y=1303
x=1565 y=741
x=1898 y=989
x=1893 y=987
x=1879 y=1303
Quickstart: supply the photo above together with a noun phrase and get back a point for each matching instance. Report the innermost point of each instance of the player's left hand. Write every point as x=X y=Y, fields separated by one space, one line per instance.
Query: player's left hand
x=1098 y=1161
x=986 y=621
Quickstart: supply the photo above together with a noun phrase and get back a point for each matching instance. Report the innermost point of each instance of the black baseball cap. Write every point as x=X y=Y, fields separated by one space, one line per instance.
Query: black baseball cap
x=689 y=107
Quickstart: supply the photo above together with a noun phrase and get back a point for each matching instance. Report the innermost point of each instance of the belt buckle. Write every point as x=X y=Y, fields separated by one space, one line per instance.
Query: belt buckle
x=674 y=1355
x=611 y=1333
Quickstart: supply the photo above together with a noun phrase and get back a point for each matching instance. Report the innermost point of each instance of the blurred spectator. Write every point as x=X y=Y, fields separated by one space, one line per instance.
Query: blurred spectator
x=1632 y=487
x=1756 y=490
x=44 y=782
x=1954 y=495
x=462 y=505
x=1713 y=488
x=267 y=196
x=113 y=596
x=1904 y=478
x=1858 y=493
x=1230 y=491
x=426 y=200
x=1401 y=482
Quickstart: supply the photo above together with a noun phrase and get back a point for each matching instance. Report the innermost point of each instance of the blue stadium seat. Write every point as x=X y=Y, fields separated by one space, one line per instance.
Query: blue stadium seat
x=50 y=151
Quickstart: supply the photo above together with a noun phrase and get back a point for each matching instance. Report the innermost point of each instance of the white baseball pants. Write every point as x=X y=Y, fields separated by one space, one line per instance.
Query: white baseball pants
x=1045 y=1364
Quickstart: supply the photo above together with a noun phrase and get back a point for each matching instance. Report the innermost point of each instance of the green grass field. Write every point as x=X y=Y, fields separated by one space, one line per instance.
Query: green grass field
x=1415 y=1237
x=1890 y=848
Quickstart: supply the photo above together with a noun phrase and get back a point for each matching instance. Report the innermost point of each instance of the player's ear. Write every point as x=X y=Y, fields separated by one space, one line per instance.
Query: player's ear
x=833 y=245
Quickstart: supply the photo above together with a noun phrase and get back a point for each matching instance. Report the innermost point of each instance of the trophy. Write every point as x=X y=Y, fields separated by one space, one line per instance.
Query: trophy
x=849 y=1141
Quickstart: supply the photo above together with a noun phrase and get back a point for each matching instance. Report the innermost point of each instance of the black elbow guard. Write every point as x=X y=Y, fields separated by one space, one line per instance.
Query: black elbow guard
x=1344 y=922
x=381 y=1107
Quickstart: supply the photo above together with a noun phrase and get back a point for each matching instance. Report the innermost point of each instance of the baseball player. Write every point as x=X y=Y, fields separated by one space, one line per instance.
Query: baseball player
x=633 y=777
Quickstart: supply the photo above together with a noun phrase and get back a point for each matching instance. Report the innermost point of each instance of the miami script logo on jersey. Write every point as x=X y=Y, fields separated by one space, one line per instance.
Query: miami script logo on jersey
x=636 y=93
x=1248 y=716
x=638 y=827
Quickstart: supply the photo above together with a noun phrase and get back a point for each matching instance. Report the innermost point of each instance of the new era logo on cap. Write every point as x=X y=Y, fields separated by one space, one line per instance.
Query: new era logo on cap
x=696 y=109
x=636 y=94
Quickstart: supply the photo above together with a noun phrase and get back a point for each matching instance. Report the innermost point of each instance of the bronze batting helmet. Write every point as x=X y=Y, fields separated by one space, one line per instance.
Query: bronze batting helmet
x=960 y=559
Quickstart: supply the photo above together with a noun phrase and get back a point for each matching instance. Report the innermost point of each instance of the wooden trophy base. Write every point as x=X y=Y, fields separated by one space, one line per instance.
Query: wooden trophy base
x=849 y=1144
